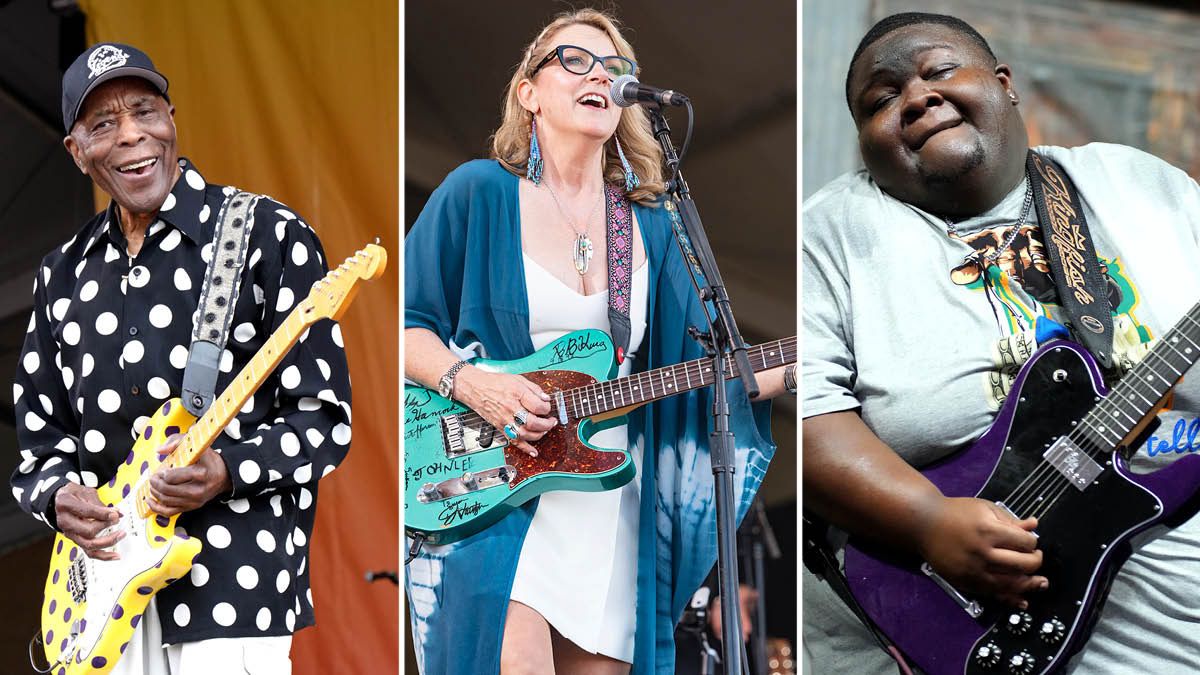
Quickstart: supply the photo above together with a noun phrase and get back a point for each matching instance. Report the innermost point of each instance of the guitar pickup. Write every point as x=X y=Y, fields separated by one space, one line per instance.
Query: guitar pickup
x=1073 y=463
x=464 y=438
x=466 y=484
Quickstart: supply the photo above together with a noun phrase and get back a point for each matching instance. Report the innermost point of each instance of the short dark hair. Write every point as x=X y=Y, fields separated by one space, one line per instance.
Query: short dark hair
x=897 y=21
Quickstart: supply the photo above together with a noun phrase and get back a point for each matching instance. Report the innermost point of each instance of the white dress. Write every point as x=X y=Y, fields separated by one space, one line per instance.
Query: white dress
x=578 y=565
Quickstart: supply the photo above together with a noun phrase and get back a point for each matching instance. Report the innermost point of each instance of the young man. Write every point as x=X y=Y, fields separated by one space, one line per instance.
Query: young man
x=925 y=281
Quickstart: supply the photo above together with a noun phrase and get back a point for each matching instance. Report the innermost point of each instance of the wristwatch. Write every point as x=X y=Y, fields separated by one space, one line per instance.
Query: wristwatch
x=446 y=383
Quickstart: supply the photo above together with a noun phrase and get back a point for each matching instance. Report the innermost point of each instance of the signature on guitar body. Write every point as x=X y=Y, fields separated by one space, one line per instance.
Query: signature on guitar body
x=460 y=475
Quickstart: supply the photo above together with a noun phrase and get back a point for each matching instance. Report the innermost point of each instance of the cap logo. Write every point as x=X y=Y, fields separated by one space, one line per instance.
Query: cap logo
x=104 y=59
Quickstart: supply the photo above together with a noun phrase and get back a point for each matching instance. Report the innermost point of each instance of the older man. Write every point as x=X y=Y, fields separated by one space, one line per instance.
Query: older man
x=107 y=344
x=925 y=287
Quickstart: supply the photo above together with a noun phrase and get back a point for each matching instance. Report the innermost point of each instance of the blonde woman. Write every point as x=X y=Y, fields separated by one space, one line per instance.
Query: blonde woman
x=508 y=255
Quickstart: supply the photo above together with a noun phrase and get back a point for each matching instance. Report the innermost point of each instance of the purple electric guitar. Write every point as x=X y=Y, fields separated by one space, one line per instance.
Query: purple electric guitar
x=1050 y=453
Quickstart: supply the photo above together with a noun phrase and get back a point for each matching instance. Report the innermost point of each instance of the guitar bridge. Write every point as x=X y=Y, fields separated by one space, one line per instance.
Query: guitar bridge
x=77 y=580
x=466 y=484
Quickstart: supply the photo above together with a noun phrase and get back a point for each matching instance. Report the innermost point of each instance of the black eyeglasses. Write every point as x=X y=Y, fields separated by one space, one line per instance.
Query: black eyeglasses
x=580 y=61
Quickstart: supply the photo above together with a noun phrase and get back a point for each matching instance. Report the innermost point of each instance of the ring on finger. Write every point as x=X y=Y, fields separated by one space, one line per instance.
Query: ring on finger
x=521 y=416
x=510 y=431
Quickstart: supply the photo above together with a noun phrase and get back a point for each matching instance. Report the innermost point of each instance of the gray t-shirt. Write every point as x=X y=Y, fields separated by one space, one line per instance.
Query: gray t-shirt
x=898 y=324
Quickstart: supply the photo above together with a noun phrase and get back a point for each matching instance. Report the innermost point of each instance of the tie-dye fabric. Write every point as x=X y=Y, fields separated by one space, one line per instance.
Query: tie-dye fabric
x=463 y=281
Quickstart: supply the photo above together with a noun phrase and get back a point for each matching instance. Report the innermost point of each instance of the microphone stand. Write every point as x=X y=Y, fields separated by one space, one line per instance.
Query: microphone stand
x=723 y=336
x=756 y=529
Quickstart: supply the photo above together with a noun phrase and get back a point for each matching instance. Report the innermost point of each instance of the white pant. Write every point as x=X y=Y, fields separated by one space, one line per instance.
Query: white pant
x=146 y=654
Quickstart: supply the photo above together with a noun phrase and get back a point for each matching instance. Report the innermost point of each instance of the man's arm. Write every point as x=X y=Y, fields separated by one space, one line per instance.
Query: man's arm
x=853 y=480
x=47 y=482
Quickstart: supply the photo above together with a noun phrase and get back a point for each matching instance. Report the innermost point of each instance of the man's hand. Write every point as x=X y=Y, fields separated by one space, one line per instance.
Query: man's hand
x=187 y=488
x=82 y=516
x=977 y=546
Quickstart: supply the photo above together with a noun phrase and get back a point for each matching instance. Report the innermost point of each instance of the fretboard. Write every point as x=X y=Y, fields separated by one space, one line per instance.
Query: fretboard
x=1137 y=394
x=229 y=403
x=640 y=388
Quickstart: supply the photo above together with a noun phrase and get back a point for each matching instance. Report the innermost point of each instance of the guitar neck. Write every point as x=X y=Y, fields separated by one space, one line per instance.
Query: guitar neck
x=1142 y=388
x=652 y=385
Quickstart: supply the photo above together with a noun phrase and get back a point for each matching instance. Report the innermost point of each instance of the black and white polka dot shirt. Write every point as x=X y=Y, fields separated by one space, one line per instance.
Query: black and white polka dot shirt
x=107 y=344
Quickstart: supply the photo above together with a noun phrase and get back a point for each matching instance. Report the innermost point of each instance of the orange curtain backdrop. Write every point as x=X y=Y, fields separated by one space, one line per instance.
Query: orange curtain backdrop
x=298 y=100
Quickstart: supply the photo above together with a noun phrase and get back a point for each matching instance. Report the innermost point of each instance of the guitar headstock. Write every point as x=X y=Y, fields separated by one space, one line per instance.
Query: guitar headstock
x=332 y=294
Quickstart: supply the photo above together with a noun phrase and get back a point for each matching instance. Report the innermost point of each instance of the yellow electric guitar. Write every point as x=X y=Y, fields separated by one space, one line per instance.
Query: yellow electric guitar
x=91 y=607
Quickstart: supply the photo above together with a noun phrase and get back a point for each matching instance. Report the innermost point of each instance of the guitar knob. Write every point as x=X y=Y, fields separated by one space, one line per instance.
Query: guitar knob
x=430 y=492
x=1021 y=663
x=1052 y=631
x=468 y=481
x=988 y=656
x=1019 y=623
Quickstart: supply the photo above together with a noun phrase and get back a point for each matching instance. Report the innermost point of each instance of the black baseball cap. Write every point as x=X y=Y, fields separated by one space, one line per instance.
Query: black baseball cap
x=101 y=63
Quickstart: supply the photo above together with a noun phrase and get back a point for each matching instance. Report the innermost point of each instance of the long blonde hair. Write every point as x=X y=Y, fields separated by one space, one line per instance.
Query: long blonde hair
x=510 y=143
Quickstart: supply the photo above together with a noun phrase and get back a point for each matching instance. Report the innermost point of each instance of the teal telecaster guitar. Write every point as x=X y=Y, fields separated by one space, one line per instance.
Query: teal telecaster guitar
x=460 y=475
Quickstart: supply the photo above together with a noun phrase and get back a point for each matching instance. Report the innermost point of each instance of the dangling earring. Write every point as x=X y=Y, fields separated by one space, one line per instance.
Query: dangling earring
x=631 y=178
x=533 y=169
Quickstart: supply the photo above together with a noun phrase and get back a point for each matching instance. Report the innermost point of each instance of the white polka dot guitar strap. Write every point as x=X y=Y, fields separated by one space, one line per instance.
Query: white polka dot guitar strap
x=218 y=295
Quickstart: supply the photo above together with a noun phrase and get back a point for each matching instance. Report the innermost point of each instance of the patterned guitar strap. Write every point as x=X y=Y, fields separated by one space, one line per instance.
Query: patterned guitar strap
x=218 y=295
x=1081 y=286
x=620 y=266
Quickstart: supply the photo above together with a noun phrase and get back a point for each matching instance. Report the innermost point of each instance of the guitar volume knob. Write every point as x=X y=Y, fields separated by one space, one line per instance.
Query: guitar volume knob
x=1021 y=663
x=1052 y=631
x=1019 y=623
x=988 y=655
x=430 y=492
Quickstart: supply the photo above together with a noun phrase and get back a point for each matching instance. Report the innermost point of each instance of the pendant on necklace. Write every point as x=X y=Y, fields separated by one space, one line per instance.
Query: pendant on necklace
x=581 y=253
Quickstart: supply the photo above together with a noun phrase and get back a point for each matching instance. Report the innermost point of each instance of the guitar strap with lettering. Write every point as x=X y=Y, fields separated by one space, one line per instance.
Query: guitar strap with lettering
x=620 y=266
x=218 y=295
x=1081 y=286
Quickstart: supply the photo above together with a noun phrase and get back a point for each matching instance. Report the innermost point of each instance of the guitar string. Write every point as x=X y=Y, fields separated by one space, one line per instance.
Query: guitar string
x=1031 y=486
x=1111 y=402
x=1058 y=482
x=578 y=397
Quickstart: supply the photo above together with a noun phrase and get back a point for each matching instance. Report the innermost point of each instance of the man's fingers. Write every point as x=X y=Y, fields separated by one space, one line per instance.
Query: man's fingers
x=170 y=444
x=1005 y=561
x=78 y=508
x=1014 y=538
x=178 y=475
x=163 y=509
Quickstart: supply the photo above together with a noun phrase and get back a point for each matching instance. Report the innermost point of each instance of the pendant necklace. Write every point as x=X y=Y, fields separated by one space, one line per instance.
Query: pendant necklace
x=581 y=249
x=1012 y=234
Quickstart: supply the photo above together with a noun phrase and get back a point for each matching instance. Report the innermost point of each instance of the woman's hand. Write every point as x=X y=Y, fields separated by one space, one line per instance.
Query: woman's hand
x=499 y=398
x=979 y=547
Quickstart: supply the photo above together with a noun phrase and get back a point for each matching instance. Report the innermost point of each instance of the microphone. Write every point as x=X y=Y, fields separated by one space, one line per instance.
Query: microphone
x=626 y=91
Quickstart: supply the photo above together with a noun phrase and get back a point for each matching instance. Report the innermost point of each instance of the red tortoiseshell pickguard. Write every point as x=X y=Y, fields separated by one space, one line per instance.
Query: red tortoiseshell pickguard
x=560 y=450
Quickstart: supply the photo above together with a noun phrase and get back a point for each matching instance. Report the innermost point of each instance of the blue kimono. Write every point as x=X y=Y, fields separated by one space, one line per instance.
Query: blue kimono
x=464 y=280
